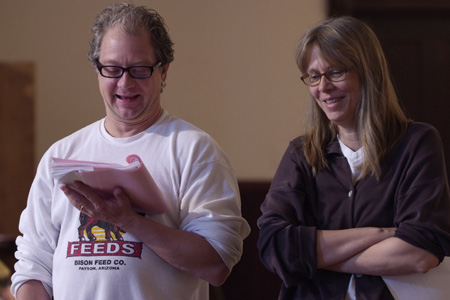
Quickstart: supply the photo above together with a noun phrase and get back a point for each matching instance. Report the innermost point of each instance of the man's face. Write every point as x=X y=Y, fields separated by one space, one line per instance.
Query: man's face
x=129 y=101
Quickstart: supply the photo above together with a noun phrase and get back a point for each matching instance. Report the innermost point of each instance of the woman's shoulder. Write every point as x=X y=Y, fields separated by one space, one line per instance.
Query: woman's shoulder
x=295 y=150
x=295 y=146
x=297 y=141
x=420 y=126
x=420 y=134
x=416 y=129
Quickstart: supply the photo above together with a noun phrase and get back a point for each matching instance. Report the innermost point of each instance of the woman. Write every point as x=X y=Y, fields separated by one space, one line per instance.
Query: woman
x=364 y=192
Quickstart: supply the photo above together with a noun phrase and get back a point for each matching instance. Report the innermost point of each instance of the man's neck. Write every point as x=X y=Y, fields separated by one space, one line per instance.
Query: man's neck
x=121 y=129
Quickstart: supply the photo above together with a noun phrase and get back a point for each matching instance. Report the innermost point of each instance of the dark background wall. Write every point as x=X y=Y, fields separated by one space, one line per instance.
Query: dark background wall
x=415 y=35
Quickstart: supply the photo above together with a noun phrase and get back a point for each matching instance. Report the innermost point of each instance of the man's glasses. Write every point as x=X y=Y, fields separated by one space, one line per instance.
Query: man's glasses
x=138 y=72
x=333 y=75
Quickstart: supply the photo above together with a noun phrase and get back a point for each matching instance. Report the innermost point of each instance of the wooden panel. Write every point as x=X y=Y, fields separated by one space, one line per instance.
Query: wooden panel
x=250 y=280
x=17 y=141
x=385 y=7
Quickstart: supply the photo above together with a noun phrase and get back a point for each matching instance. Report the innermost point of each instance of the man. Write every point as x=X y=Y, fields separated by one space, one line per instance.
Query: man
x=173 y=255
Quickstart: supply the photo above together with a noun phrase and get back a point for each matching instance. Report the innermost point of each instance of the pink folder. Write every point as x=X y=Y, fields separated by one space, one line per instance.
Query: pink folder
x=134 y=178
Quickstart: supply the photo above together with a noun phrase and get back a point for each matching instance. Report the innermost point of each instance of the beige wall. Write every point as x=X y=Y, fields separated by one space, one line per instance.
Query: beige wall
x=234 y=73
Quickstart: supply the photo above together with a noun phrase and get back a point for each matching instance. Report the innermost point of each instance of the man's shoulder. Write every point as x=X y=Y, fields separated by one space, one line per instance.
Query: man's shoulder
x=80 y=135
x=87 y=129
x=182 y=129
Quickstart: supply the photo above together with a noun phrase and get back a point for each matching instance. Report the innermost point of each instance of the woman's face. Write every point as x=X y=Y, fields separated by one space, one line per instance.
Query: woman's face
x=338 y=100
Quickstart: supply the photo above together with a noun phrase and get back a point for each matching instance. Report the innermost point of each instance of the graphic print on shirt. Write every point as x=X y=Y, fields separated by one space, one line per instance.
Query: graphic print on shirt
x=87 y=224
x=98 y=240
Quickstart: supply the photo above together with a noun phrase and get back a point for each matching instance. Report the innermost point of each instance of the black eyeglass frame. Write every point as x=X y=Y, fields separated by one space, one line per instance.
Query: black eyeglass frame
x=328 y=75
x=100 y=68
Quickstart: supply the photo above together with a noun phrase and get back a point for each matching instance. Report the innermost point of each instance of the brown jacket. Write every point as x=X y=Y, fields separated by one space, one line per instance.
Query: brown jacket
x=411 y=195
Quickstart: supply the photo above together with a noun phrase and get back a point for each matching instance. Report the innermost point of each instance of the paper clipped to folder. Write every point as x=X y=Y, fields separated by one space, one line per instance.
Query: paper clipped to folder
x=134 y=178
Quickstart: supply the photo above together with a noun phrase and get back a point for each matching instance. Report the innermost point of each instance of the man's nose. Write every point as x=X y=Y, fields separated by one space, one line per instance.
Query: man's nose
x=126 y=79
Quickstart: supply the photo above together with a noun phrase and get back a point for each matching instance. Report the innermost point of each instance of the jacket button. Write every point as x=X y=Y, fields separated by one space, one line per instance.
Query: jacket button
x=350 y=193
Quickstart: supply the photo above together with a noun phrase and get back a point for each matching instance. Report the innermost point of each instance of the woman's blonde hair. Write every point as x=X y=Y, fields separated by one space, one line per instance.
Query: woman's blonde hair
x=350 y=44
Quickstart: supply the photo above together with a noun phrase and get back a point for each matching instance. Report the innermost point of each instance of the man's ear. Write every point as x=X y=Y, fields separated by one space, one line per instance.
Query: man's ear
x=165 y=70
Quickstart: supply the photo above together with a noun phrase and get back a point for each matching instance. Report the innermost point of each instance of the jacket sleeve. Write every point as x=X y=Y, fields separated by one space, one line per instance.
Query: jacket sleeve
x=423 y=204
x=287 y=241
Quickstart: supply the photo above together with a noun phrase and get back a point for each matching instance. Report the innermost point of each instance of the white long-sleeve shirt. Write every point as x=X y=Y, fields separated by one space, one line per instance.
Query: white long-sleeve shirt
x=196 y=180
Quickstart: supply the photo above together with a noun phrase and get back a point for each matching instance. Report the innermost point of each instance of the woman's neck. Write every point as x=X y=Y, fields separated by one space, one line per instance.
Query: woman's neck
x=350 y=138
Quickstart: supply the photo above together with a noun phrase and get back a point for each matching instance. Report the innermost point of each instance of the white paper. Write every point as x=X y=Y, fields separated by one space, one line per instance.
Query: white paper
x=433 y=285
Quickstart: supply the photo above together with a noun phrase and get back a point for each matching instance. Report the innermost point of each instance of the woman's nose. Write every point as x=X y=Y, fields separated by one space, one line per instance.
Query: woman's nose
x=325 y=84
